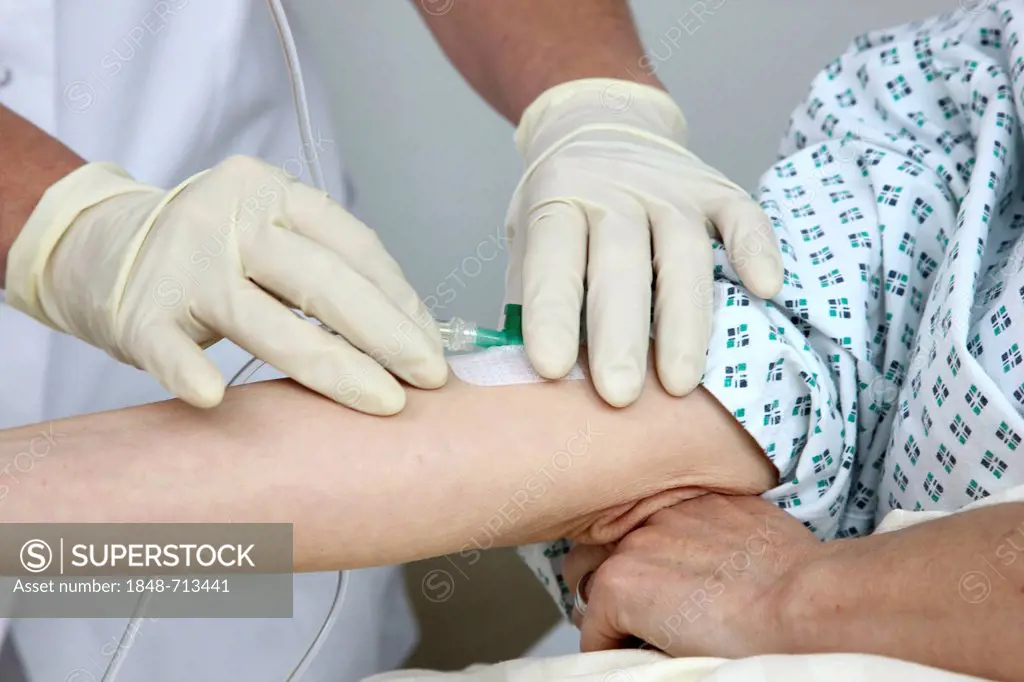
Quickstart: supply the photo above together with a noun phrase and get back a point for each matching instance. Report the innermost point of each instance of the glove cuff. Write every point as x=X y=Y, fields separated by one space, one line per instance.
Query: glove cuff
x=598 y=103
x=56 y=211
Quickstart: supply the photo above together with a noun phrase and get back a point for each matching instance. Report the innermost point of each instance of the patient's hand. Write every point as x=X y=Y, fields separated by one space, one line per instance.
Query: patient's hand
x=611 y=525
x=707 y=577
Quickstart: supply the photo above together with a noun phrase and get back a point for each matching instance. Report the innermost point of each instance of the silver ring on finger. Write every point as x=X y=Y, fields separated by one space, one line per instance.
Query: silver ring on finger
x=579 y=602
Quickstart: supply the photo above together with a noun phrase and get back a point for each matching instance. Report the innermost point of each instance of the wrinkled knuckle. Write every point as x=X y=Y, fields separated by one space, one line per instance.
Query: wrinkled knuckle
x=615 y=576
x=641 y=540
x=718 y=500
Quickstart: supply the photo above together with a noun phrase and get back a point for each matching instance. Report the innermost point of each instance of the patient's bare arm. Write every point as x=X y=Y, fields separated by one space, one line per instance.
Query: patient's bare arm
x=552 y=459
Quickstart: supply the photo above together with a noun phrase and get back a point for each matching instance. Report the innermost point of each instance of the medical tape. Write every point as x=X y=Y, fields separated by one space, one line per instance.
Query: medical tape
x=502 y=366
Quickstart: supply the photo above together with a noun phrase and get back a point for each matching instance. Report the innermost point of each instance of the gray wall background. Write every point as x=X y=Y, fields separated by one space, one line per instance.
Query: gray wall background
x=434 y=167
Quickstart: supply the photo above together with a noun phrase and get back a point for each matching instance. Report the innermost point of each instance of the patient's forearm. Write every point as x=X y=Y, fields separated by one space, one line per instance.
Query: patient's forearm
x=946 y=593
x=496 y=465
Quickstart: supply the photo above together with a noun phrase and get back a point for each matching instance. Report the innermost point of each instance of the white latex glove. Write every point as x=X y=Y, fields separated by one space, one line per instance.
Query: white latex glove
x=152 y=277
x=611 y=193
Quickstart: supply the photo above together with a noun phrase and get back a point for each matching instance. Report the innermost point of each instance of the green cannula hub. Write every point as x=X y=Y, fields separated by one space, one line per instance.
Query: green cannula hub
x=514 y=323
x=511 y=335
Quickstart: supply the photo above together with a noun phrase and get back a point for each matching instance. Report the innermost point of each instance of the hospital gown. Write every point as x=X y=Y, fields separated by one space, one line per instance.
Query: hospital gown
x=889 y=371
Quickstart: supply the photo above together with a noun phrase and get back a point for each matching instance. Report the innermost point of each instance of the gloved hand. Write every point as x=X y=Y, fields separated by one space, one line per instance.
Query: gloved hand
x=611 y=193
x=152 y=277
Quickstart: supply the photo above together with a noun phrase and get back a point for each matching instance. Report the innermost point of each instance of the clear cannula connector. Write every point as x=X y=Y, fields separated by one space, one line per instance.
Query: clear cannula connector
x=458 y=335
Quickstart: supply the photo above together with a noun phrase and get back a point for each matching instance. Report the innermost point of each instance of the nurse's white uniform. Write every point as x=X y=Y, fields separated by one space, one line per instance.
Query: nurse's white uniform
x=168 y=88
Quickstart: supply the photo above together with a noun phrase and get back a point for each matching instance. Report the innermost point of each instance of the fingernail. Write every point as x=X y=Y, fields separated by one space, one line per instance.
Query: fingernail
x=552 y=350
x=765 y=275
x=430 y=371
x=619 y=382
x=386 y=398
x=384 y=404
x=682 y=375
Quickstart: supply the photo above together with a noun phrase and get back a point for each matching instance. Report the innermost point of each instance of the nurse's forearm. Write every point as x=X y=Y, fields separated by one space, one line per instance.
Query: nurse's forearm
x=30 y=161
x=511 y=51
x=461 y=467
